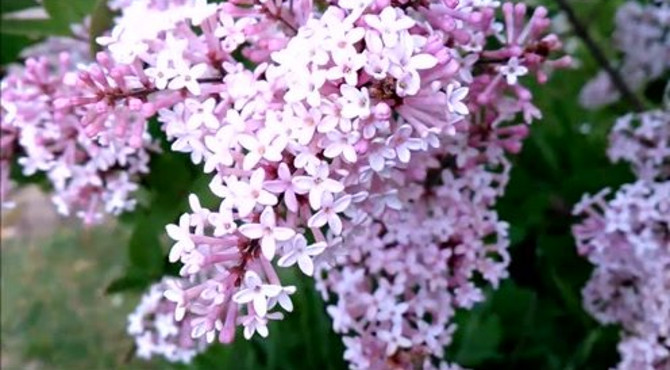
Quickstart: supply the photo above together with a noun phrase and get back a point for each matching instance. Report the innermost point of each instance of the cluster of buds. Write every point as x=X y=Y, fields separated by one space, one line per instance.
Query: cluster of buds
x=627 y=238
x=328 y=130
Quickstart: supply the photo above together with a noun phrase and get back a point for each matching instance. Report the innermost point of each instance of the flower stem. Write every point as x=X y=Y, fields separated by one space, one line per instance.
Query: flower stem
x=599 y=56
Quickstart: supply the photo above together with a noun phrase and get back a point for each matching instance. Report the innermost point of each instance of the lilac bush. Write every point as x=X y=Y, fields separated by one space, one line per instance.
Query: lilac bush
x=362 y=143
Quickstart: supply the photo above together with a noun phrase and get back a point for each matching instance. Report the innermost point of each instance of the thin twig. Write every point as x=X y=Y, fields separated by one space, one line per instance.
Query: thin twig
x=600 y=57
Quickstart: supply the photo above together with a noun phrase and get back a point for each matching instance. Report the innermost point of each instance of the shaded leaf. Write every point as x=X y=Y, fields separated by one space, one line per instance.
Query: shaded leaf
x=65 y=13
x=130 y=281
x=101 y=21
x=144 y=249
x=33 y=28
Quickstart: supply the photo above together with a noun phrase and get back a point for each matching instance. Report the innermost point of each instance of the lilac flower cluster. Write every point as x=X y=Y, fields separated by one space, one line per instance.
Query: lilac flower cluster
x=89 y=177
x=627 y=238
x=156 y=331
x=403 y=276
x=643 y=140
x=376 y=129
x=324 y=135
x=642 y=37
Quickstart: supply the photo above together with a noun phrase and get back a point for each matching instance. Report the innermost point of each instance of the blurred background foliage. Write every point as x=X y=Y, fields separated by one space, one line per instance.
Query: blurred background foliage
x=62 y=306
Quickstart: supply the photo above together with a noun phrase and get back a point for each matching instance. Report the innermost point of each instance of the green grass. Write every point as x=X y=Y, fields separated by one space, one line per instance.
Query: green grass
x=54 y=312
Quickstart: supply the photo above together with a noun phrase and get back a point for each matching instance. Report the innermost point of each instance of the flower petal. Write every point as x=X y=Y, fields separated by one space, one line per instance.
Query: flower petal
x=252 y=231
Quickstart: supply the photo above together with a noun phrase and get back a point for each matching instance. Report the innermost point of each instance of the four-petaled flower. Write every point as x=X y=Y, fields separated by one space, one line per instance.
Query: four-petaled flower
x=455 y=96
x=355 y=102
x=256 y=324
x=256 y=292
x=284 y=185
x=389 y=22
x=182 y=235
x=268 y=232
x=328 y=212
x=266 y=144
x=247 y=195
x=316 y=184
x=202 y=113
x=162 y=72
x=300 y=252
x=402 y=143
x=394 y=339
x=188 y=78
x=513 y=70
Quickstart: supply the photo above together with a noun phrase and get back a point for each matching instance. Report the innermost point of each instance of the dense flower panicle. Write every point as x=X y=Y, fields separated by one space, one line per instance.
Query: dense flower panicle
x=394 y=293
x=643 y=140
x=628 y=240
x=342 y=123
x=627 y=237
x=156 y=332
x=626 y=234
x=320 y=139
x=642 y=37
x=89 y=178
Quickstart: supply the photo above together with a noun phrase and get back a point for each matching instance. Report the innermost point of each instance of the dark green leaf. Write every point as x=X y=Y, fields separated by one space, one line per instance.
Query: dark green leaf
x=65 y=13
x=479 y=338
x=145 y=251
x=101 y=21
x=33 y=28
x=131 y=281
x=12 y=46
x=7 y=6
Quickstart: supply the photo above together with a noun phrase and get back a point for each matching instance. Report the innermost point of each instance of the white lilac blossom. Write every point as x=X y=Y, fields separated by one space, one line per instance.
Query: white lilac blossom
x=335 y=124
x=642 y=37
x=626 y=235
x=156 y=331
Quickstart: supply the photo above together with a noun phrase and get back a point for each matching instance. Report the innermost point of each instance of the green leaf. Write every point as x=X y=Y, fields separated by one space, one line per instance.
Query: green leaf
x=34 y=28
x=144 y=250
x=479 y=338
x=170 y=176
x=131 y=281
x=101 y=21
x=7 y=6
x=65 y=13
x=11 y=47
x=201 y=189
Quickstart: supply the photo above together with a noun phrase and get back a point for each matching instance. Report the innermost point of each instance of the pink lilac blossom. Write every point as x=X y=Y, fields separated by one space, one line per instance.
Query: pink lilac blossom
x=337 y=121
x=156 y=332
x=643 y=140
x=89 y=178
x=642 y=37
x=627 y=237
x=394 y=292
x=323 y=130
x=9 y=129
